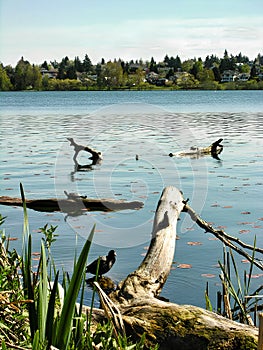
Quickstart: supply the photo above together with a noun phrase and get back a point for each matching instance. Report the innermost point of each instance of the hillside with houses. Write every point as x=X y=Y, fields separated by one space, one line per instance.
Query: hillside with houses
x=226 y=73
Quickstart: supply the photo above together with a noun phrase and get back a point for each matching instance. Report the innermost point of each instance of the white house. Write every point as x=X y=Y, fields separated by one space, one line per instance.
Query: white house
x=228 y=75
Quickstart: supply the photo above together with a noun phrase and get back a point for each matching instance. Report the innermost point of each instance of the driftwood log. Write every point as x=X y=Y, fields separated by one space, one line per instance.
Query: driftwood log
x=214 y=150
x=172 y=326
x=72 y=205
x=95 y=155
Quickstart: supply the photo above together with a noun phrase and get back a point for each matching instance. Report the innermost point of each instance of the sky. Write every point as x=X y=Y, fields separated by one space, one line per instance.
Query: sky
x=139 y=29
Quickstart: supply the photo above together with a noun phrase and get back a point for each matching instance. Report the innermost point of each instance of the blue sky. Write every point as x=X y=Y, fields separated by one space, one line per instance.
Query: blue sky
x=138 y=29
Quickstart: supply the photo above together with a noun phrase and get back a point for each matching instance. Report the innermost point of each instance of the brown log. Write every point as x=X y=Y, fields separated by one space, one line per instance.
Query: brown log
x=71 y=205
x=170 y=325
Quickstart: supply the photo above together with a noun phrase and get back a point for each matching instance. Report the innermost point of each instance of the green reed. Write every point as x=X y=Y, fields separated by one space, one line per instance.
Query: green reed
x=239 y=302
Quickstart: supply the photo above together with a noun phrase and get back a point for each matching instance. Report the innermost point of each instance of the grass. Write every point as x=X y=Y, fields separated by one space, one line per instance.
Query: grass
x=32 y=314
x=238 y=301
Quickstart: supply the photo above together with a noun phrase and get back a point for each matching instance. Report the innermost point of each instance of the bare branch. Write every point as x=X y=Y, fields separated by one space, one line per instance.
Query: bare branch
x=224 y=237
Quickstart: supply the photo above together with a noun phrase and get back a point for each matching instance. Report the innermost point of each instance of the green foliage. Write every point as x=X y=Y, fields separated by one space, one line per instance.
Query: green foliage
x=5 y=83
x=49 y=234
x=11 y=296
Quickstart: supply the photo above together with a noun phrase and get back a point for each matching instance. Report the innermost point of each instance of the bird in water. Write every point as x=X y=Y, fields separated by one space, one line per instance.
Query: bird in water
x=106 y=263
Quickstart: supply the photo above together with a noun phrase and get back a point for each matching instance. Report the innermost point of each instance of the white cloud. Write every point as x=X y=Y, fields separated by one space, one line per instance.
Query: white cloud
x=134 y=39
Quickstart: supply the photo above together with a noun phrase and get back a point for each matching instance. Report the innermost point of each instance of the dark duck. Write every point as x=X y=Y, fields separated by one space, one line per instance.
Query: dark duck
x=106 y=263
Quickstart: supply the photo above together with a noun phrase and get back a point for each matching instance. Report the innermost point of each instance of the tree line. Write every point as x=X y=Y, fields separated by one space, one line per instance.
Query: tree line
x=171 y=73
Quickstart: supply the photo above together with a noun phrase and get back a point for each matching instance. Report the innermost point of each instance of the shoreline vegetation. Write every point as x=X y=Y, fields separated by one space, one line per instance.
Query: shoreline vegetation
x=42 y=310
x=226 y=73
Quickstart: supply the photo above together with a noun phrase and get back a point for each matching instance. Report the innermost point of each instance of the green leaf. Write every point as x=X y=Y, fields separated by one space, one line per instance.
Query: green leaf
x=3 y=345
x=26 y=268
x=42 y=295
x=251 y=266
x=50 y=324
x=36 y=341
x=67 y=314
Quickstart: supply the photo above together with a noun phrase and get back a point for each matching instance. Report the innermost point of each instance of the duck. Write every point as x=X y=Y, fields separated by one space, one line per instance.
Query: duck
x=106 y=263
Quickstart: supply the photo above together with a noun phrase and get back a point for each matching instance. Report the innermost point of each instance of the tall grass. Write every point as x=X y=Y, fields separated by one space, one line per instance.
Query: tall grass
x=48 y=328
x=239 y=302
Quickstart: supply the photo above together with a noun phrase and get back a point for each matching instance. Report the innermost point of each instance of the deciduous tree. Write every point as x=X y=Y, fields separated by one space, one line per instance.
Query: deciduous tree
x=5 y=83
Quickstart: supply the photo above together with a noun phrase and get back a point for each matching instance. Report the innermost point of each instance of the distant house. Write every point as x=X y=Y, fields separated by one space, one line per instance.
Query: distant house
x=152 y=77
x=243 y=77
x=161 y=82
x=228 y=76
x=179 y=75
x=51 y=73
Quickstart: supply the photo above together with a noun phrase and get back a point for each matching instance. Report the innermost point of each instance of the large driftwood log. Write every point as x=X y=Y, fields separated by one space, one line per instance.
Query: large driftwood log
x=214 y=150
x=170 y=325
x=71 y=205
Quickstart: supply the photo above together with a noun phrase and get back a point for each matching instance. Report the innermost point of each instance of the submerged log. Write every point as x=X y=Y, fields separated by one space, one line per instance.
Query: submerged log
x=69 y=205
x=170 y=325
x=214 y=150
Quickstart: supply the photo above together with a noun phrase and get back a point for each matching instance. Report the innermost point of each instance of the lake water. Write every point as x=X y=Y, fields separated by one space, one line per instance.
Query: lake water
x=226 y=192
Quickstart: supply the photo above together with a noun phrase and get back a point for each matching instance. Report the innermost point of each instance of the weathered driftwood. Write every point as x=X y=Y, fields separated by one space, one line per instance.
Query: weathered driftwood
x=95 y=155
x=170 y=325
x=214 y=150
x=69 y=205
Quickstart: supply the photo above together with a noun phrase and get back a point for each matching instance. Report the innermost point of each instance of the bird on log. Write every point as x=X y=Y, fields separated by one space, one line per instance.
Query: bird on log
x=105 y=263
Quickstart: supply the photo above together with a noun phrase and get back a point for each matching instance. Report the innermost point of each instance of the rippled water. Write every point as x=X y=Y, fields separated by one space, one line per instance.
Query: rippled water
x=227 y=192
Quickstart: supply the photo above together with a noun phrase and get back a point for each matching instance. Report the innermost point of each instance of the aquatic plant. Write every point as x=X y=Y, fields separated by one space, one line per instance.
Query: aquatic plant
x=236 y=301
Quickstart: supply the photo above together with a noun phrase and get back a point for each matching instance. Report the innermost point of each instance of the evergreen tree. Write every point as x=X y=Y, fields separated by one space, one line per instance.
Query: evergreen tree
x=78 y=65
x=87 y=65
x=44 y=65
x=61 y=71
x=153 y=66
x=211 y=61
x=253 y=72
x=217 y=74
x=70 y=72
x=166 y=59
x=227 y=63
